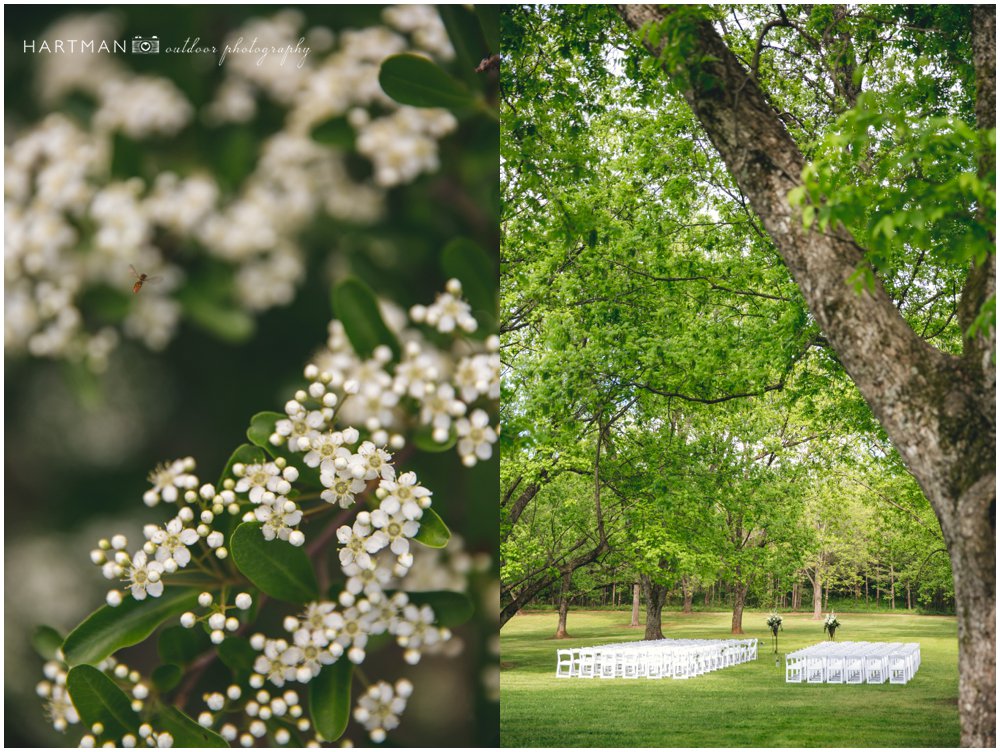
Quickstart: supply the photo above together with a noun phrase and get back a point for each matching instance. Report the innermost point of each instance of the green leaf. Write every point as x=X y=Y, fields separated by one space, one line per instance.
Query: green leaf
x=416 y=81
x=167 y=676
x=450 y=608
x=335 y=132
x=181 y=645
x=227 y=323
x=357 y=308
x=244 y=453
x=237 y=655
x=796 y=196
x=277 y=567
x=110 y=629
x=330 y=699
x=489 y=22
x=433 y=532
x=465 y=260
x=465 y=35
x=261 y=427
x=423 y=440
x=186 y=731
x=46 y=641
x=99 y=700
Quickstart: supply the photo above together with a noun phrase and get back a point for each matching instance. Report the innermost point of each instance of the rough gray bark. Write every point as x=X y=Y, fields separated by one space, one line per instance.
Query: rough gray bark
x=688 y=594
x=655 y=596
x=938 y=409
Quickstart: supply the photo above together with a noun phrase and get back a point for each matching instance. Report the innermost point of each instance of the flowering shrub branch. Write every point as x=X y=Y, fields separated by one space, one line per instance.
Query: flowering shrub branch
x=330 y=471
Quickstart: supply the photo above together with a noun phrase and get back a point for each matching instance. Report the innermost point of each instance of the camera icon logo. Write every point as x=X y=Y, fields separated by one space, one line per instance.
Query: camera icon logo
x=145 y=45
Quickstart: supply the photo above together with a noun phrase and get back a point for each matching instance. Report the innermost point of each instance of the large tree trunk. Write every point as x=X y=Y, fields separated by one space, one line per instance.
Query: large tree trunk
x=938 y=409
x=688 y=594
x=635 y=606
x=656 y=596
x=563 y=606
x=817 y=588
x=739 y=601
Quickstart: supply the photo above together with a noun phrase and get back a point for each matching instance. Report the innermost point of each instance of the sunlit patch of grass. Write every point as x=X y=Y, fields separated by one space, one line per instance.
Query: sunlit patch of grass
x=745 y=705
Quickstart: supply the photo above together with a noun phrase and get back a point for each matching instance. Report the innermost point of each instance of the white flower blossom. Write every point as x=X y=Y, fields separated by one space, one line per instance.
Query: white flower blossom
x=279 y=518
x=405 y=496
x=372 y=462
x=172 y=542
x=170 y=480
x=476 y=437
x=144 y=577
x=340 y=488
x=356 y=543
x=258 y=478
x=393 y=530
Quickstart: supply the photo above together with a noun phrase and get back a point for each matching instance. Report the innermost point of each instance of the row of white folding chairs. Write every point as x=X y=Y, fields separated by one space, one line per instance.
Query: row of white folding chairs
x=853 y=663
x=654 y=659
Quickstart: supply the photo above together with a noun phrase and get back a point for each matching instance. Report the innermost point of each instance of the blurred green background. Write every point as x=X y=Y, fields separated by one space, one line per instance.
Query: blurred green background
x=79 y=445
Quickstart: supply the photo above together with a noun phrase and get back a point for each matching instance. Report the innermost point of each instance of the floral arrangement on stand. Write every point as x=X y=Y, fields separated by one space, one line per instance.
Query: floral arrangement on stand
x=774 y=624
x=830 y=625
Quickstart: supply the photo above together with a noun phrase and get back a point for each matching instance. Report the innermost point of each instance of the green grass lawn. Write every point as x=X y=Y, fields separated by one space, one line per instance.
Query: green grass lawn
x=745 y=705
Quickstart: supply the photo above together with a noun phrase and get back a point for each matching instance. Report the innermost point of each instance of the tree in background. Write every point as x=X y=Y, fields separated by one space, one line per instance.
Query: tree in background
x=705 y=242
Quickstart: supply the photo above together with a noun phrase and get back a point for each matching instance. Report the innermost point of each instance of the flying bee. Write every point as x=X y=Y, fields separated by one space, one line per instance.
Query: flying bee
x=141 y=279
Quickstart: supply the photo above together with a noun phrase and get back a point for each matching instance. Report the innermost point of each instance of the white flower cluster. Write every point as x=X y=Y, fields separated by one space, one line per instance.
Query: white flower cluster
x=345 y=467
x=438 y=386
x=168 y=548
x=379 y=708
x=58 y=704
x=324 y=633
x=68 y=229
x=61 y=711
x=218 y=622
x=139 y=106
x=447 y=312
x=260 y=709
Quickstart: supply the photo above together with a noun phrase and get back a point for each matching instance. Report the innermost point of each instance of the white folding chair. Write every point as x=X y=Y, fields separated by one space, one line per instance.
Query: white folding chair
x=875 y=669
x=589 y=663
x=564 y=663
x=654 y=663
x=611 y=663
x=815 y=669
x=793 y=669
x=854 y=668
x=835 y=669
